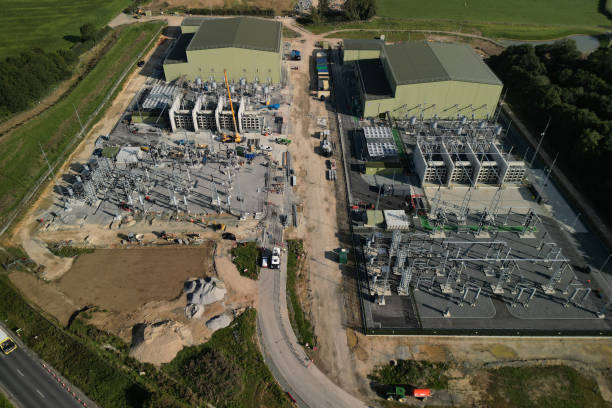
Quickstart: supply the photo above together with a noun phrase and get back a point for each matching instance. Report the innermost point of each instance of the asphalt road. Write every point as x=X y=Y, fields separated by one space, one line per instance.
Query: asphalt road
x=30 y=385
x=284 y=356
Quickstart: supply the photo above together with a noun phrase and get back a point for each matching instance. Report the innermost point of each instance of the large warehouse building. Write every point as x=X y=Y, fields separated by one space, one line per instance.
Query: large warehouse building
x=422 y=78
x=246 y=47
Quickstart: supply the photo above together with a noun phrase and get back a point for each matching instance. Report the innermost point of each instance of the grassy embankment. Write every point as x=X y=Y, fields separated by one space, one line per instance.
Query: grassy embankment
x=4 y=402
x=299 y=321
x=512 y=19
x=105 y=383
x=21 y=161
x=228 y=370
x=50 y=24
x=245 y=256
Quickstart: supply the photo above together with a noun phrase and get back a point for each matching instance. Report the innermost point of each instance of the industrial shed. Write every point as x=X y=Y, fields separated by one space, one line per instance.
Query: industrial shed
x=246 y=47
x=422 y=78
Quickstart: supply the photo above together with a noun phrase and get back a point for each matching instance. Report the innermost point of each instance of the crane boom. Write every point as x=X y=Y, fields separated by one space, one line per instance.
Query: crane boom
x=237 y=138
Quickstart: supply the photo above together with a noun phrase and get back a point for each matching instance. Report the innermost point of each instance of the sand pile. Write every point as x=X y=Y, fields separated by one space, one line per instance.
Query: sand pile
x=159 y=342
x=219 y=322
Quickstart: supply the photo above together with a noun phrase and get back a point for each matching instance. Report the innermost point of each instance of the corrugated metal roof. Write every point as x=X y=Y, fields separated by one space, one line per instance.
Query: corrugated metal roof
x=238 y=32
x=423 y=61
x=396 y=220
x=356 y=44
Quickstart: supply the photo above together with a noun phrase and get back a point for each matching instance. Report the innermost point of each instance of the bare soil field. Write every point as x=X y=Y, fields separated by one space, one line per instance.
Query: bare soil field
x=122 y=280
x=137 y=294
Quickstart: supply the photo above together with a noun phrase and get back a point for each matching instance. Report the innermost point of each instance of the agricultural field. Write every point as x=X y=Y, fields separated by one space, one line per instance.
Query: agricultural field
x=559 y=12
x=21 y=163
x=50 y=24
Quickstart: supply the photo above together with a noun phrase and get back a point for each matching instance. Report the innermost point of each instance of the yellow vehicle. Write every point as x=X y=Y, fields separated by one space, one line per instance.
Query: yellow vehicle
x=7 y=345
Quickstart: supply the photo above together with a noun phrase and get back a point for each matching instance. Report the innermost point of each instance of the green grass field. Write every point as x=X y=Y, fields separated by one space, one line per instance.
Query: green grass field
x=21 y=161
x=512 y=19
x=44 y=23
x=562 y=12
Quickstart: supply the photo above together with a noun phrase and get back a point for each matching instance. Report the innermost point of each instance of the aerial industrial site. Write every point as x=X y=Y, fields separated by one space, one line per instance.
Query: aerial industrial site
x=374 y=201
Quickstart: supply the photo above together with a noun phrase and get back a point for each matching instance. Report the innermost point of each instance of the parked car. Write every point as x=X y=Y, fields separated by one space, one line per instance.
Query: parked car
x=265 y=148
x=141 y=63
x=228 y=236
x=275 y=264
x=264 y=261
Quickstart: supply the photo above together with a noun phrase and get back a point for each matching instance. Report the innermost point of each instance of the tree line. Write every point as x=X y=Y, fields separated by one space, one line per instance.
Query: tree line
x=29 y=76
x=351 y=10
x=555 y=81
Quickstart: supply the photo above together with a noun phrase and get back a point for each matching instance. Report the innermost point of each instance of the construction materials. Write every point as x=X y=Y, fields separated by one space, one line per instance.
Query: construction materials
x=219 y=322
x=295 y=55
x=7 y=345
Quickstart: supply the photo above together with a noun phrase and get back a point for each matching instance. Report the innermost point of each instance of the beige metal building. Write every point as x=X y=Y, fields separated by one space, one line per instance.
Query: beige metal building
x=248 y=48
x=422 y=78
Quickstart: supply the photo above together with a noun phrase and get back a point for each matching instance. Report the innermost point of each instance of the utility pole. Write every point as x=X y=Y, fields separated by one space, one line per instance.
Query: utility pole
x=539 y=143
x=47 y=160
x=77 y=115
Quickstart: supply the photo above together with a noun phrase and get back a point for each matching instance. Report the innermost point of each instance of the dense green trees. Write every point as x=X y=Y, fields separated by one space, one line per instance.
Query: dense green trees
x=27 y=77
x=360 y=9
x=556 y=81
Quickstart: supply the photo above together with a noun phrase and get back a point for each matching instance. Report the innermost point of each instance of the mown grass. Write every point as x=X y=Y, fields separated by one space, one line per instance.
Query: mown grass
x=542 y=387
x=228 y=370
x=391 y=36
x=299 y=321
x=99 y=379
x=245 y=256
x=21 y=161
x=50 y=24
x=486 y=29
x=562 y=12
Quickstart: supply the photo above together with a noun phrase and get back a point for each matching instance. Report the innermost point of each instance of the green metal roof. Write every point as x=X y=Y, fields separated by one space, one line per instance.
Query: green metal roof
x=424 y=61
x=356 y=44
x=238 y=32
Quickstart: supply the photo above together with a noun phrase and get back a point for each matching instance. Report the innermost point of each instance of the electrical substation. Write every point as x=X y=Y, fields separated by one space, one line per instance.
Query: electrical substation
x=459 y=244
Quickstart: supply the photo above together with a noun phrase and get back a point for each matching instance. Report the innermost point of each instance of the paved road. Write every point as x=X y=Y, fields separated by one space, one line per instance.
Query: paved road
x=30 y=385
x=285 y=357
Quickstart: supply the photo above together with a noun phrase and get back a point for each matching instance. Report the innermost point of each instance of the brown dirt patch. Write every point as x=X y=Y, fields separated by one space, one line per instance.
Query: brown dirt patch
x=123 y=280
x=44 y=295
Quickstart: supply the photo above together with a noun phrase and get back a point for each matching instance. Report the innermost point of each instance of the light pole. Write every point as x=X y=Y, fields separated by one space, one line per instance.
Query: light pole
x=539 y=143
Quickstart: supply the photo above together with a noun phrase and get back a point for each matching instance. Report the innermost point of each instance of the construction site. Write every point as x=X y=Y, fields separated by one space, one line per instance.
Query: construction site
x=183 y=150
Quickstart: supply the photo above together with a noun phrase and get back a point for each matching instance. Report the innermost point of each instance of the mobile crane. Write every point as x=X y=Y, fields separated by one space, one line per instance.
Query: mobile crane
x=237 y=137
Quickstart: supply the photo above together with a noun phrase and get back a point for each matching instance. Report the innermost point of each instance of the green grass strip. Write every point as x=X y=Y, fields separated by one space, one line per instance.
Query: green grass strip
x=301 y=325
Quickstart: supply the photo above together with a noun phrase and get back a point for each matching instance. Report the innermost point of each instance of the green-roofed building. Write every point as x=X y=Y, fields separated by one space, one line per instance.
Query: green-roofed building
x=428 y=78
x=245 y=47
